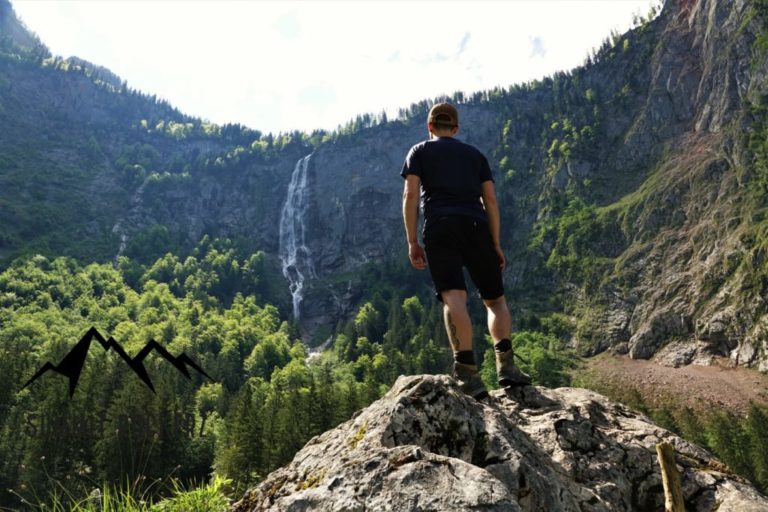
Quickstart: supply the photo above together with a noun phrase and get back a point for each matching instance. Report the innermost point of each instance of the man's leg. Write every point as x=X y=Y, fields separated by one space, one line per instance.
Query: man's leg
x=500 y=327
x=459 y=329
x=457 y=322
x=499 y=319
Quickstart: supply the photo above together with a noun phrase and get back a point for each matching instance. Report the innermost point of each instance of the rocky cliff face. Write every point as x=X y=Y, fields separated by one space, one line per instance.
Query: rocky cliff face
x=426 y=446
x=694 y=270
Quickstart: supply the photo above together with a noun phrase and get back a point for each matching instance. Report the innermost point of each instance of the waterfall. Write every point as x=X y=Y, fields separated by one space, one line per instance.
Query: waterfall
x=132 y=215
x=294 y=254
x=313 y=352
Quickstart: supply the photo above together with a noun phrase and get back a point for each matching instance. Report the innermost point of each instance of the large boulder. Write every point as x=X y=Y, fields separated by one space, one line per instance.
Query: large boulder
x=427 y=446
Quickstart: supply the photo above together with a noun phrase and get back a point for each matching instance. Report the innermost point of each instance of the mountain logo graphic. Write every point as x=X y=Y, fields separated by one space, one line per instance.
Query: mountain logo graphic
x=72 y=364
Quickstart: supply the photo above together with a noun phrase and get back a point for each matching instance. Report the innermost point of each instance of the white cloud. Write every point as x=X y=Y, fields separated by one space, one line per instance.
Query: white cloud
x=537 y=47
x=464 y=42
x=278 y=66
x=287 y=26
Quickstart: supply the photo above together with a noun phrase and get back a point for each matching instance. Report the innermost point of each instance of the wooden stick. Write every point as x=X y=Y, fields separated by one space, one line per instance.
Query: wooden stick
x=673 y=491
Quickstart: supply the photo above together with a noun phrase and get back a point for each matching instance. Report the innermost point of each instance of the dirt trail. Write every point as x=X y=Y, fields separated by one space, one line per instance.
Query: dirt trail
x=693 y=385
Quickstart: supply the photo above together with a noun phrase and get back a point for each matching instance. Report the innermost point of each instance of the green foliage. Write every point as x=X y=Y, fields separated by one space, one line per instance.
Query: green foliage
x=209 y=497
x=759 y=9
x=215 y=268
x=558 y=325
x=757 y=142
x=271 y=353
x=543 y=356
x=117 y=428
x=546 y=359
x=582 y=242
x=740 y=441
x=368 y=322
x=488 y=370
x=756 y=431
x=730 y=441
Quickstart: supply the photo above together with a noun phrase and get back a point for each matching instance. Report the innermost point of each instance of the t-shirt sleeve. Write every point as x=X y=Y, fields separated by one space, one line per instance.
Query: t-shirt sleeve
x=485 y=170
x=412 y=164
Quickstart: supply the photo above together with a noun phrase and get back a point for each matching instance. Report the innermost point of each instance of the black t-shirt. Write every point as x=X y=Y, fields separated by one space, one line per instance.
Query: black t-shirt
x=451 y=174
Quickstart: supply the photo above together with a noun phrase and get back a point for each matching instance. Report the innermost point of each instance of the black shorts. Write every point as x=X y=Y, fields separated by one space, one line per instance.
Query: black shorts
x=460 y=241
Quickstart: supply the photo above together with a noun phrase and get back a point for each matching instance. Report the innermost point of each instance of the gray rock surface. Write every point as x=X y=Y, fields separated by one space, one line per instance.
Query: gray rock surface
x=426 y=446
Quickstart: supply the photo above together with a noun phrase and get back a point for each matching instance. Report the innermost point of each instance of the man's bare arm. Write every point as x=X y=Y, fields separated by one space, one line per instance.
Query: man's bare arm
x=494 y=219
x=411 y=219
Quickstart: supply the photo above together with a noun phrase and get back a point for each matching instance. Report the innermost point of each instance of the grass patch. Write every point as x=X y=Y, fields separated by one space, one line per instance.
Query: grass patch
x=210 y=497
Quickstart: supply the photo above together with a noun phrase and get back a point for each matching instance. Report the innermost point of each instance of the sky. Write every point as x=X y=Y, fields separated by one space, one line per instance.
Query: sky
x=305 y=65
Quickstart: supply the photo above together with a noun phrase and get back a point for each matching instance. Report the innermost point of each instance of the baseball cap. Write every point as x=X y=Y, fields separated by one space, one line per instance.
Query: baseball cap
x=443 y=113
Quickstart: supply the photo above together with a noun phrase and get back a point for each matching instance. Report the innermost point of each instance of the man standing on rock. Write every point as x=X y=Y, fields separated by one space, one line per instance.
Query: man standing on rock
x=461 y=229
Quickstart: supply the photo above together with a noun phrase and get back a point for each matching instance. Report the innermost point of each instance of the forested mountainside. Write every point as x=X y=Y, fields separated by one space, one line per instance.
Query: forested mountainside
x=633 y=196
x=77 y=146
x=632 y=187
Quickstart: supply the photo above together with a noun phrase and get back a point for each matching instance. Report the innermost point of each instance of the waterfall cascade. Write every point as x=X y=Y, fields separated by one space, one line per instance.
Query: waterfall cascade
x=119 y=228
x=294 y=254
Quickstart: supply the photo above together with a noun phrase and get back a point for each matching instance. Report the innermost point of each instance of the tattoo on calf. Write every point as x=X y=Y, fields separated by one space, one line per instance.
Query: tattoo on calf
x=452 y=336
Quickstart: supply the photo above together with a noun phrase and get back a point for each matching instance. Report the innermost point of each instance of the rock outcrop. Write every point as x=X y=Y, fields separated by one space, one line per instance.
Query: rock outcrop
x=426 y=446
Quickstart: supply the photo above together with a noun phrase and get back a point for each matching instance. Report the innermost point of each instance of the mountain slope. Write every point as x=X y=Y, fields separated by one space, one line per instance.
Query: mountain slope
x=77 y=144
x=695 y=268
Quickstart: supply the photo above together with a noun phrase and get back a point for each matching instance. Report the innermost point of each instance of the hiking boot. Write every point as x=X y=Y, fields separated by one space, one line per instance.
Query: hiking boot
x=469 y=380
x=508 y=374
